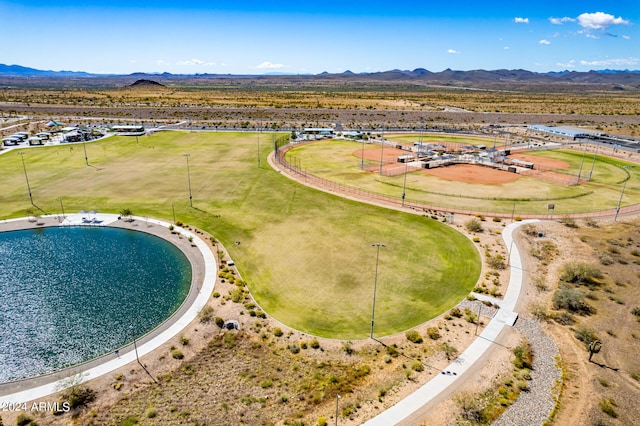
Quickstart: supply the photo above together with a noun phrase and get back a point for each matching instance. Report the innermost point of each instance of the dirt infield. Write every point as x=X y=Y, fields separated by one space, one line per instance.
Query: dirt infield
x=542 y=163
x=388 y=154
x=471 y=173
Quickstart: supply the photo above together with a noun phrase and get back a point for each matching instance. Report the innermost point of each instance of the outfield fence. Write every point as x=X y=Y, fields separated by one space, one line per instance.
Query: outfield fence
x=295 y=167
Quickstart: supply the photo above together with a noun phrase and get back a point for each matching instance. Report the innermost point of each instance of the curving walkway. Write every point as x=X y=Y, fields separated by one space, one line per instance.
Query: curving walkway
x=26 y=390
x=413 y=407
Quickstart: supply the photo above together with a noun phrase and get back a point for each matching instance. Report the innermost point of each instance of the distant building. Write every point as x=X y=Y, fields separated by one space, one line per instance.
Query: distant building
x=572 y=133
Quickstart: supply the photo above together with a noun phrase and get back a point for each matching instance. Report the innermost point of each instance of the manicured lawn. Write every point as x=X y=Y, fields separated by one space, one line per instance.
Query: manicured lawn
x=339 y=162
x=306 y=255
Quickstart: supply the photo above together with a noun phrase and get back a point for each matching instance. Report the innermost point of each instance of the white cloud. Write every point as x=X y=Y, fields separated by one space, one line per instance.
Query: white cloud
x=626 y=37
x=195 y=61
x=599 y=21
x=521 y=20
x=617 y=62
x=570 y=64
x=453 y=52
x=544 y=42
x=560 y=21
x=269 y=65
x=507 y=48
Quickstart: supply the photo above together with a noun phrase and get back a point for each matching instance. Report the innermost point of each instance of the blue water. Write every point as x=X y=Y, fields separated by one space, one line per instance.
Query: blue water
x=70 y=294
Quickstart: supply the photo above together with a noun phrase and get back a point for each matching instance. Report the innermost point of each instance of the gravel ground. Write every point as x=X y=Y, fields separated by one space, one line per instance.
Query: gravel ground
x=533 y=407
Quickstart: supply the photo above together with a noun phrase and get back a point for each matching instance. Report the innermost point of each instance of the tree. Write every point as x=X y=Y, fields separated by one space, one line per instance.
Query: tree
x=126 y=214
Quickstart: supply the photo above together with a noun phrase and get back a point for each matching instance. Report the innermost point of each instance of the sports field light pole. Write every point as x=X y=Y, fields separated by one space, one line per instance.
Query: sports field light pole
x=622 y=193
x=337 y=399
x=189 y=180
x=581 y=164
x=84 y=146
x=404 y=184
x=26 y=177
x=381 y=151
x=593 y=163
x=375 y=285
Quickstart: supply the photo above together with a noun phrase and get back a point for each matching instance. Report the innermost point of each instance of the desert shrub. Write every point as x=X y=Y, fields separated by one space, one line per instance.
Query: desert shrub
x=392 y=350
x=322 y=421
x=348 y=348
x=564 y=318
x=496 y=262
x=497 y=219
x=417 y=366
x=473 y=225
x=206 y=314
x=470 y=316
x=456 y=312
x=523 y=356
x=277 y=332
x=580 y=273
x=449 y=351
x=636 y=311
x=413 y=336
x=590 y=222
x=433 y=333
x=294 y=348
x=177 y=354
x=219 y=322
x=23 y=419
x=530 y=229
x=569 y=222
x=78 y=396
x=572 y=300
x=151 y=412
x=606 y=405
x=184 y=340
x=315 y=344
x=586 y=335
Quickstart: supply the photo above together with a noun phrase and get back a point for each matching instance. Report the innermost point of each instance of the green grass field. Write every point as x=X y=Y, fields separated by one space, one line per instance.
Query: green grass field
x=339 y=162
x=306 y=255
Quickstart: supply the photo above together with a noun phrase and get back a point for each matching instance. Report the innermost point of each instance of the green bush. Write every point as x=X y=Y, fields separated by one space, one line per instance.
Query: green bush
x=277 y=332
x=413 y=336
x=586 y=335
x=78 y=396
x=23 y=419
x=433 y=333
x=219 y=322
x=473 y=225
x=606 y=405
x=314 y=343
x=523 y=356
x=177 y=354
x=206 y=314
x=417 y=366
x=572 y=300
x=580 y=273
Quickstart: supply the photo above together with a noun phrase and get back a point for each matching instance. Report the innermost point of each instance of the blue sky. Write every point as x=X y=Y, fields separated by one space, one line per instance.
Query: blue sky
x=250 y=37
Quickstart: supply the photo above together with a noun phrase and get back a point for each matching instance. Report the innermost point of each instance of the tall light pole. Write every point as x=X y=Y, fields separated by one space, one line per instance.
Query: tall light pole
x=581 y=164
x=593 y=163
x=375 y=285
x=404 y=184
x=337 y=399
x=259 y=131
x=381 y=151
x=84 y=146
x=622 y=192
x=189 y=180
x=26 y=177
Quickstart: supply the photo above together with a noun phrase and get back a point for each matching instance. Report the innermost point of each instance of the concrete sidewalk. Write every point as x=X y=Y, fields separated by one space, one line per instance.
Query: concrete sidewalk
x=409 y=409
x=171 y=330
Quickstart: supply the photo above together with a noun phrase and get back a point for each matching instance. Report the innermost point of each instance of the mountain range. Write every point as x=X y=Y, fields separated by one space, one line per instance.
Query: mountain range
x=617 y=79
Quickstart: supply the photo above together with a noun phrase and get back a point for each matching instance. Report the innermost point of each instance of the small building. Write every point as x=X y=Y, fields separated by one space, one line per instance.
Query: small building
x=34 y=140
x=406 y=158
x=571 y=133
x=129 y=130
x=318 y=131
